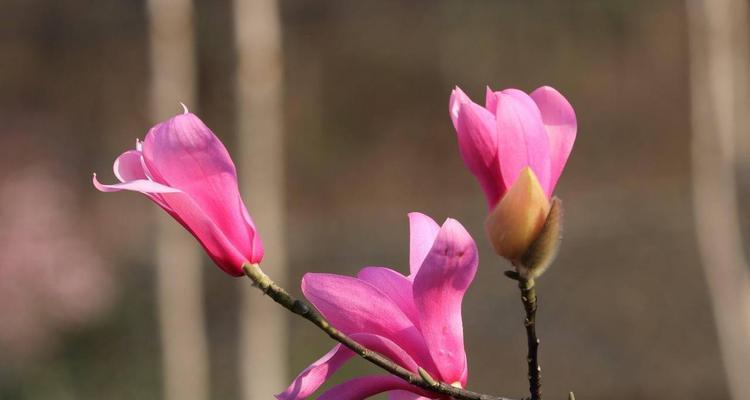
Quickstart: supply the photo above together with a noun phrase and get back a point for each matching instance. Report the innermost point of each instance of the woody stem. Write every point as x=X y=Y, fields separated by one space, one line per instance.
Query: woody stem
x=306 y=310
x=528 y=297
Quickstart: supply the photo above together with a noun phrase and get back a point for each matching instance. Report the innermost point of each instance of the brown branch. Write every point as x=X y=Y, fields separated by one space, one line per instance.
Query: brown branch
x=528 y=297
x=307 y=311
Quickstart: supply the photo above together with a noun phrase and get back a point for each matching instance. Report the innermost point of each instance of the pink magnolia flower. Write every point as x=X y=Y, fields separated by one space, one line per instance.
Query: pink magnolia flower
x=515 y=140
x=185 y=169
x=413 y=320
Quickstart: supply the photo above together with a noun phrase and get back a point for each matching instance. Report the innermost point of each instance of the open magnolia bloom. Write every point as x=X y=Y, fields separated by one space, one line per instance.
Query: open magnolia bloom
x=185 y=169
x=413 y=320
x=517 y=146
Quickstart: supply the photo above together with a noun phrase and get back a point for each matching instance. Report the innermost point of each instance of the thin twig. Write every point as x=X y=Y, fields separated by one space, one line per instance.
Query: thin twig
x=307 y=311
x=528 y=296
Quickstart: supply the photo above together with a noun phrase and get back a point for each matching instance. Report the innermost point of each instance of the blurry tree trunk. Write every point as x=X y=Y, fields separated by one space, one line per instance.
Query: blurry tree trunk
x=718 y=68
x=178 y=261
x=263 y=331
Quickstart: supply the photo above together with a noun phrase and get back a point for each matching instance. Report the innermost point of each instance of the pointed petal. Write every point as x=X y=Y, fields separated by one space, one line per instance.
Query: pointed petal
x=477 y=142
x=366 y=386
x=560 y=120
x=354 y=306
x=439 y=289
x=457 y=98
x=490 y=100
x=309 y=380
x=393 y=285
x=522 y=138
x=139 y=185
x=184 y=153
x=318 y=372
x=422 y=233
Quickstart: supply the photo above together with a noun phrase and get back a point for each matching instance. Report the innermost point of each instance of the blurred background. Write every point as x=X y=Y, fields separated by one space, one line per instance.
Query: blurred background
x=344 y=104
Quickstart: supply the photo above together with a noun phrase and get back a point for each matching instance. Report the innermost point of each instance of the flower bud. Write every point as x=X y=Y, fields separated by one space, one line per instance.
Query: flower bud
x=543 y=250
x=184 y=168
x=518 y=218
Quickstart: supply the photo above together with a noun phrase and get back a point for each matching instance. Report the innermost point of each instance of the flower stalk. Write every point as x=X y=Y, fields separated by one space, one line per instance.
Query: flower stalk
x=528 y=297
x=304 y=309
x=529 y=300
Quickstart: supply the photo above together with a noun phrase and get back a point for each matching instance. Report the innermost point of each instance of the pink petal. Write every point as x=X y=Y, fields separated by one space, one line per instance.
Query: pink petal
x=439 y=289
x=422 y=233
x=309 y=380
x=387 y=348
x=256 y=244
x=477 y=142
x=355 y=306
x=183 y=153
x=490 y=100
x=523 y=98
x=560 y=120
x=318 y=373
x=465 y=374
x=128 y=169
x=458 y=97
x=522 y=138
x=140 y=185
x=364 y=387
x=183 y=209
x=219 y=247
x=393 y=285
x=128 y=166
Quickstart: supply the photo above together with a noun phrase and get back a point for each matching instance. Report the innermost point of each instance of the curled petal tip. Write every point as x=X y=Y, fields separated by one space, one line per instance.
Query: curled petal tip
x=98 y=185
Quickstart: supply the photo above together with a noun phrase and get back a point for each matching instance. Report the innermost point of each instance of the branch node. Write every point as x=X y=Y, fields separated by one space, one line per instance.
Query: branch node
x=427 y=377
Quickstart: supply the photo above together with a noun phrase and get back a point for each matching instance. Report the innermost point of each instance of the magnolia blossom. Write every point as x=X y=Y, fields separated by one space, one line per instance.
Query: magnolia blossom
x=413 y=320
x=185 y=169
x=517 y=146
